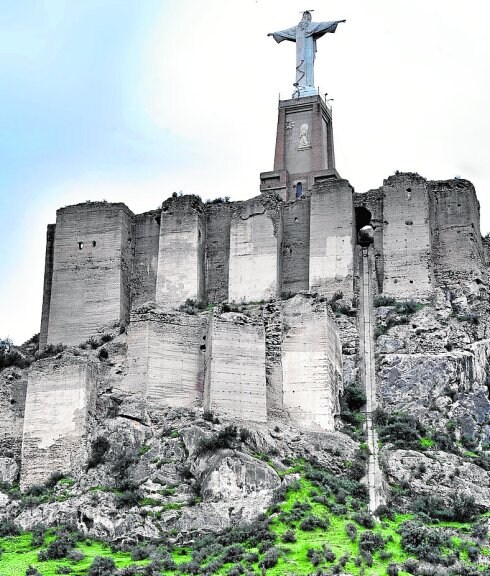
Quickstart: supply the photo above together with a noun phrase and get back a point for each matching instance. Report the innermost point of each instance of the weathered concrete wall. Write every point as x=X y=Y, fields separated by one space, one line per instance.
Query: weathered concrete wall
x=255 y=259
x=235 y=367
x=13 y=386
x=274 y=327
x=90 y=286
x=332 y=238
x=296 y=246
x=311 y=363
x=455 y=221
x=48 y=282
x=145 y=263
x=408 y=269
x=181 y=252
x=218 y=223
x=166 y=357
x=60 y=395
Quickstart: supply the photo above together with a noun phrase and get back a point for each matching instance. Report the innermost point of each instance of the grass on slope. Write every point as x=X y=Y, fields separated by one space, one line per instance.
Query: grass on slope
x=334 y=546
x=18 y=554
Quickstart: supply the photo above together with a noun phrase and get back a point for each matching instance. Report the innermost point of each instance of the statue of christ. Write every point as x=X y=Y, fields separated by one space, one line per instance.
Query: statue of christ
x=305 y=35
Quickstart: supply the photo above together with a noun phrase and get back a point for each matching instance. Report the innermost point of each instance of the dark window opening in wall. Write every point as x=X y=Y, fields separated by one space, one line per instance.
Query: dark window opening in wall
x=80 y=245
x=363 y=218
x=296 y=220
x=409 y=189
x=94 y=243
x=411 y=281
x=299 y=190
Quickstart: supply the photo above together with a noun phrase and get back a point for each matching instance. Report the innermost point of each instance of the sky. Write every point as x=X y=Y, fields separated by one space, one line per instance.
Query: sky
x=131 y=100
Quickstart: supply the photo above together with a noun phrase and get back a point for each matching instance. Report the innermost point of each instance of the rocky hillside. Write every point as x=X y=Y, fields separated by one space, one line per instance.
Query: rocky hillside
x=187 y=492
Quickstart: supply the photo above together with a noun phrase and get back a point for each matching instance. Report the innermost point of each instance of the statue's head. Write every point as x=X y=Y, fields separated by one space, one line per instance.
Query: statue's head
x=307 y=16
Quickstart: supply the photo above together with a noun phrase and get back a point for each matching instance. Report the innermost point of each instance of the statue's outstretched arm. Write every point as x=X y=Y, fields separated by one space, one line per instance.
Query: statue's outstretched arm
x=289 y=34
x=318 y=29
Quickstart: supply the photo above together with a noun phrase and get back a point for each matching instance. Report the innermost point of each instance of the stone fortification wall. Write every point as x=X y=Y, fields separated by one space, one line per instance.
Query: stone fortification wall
x=255 y=259
x=166 y=357
x=218 y=223
x=91 y=268
x=60 y=396
x=48 y=283
x=455 y=221
x=181 y=252
x=235 y=367
x=407 y=237
x=145 y=263
x=311 y=363
x=332 y=238
x=369 y=210
x=296 y=246
x=13 y=386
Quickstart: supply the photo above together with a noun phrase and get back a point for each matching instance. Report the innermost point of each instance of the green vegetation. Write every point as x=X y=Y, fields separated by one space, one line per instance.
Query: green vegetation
x=319 y=525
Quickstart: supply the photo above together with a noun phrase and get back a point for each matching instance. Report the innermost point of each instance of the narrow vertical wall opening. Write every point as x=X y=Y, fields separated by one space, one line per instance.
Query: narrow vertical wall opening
x=363 y=218
x=299 y=189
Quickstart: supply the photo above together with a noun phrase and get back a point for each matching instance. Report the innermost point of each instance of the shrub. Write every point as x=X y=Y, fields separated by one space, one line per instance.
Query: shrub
x=58 y=548
x=479 y=531
x=402 y=430
x=102 y=566
x=411 y=566
x=31 y=571
x=370 y=541
x=354 y=396
x=11 y=357
x=461 y=508
x=270 y=558
x=54 y=479
x=392 y=570
x=329 y=554
x=314 y=556
x=422 y=541
x=473 y=553
x=103 y=354
x=225 y=438
x=289 y=536
x=8 y=528
x=100 y=446
x=38 y=536
x=63 y=570
x=385 y=512
x=351 y=531
x=233 y=553
x=312 y=522
x=382 y=300
x=364 y=519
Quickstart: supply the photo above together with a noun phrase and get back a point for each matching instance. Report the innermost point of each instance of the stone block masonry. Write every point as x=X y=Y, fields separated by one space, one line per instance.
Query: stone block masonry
x=218 y=223
x=295 y=246
x=48 y=283
x=407 y=237
x=181 y=252
x=332 y=238
x=311 y=363
x=455 y=222
x=166 y=357
x=60 y=398
x=235 y=367
x=255 y=241
x=145 y=264
x=91 y=271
